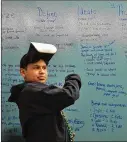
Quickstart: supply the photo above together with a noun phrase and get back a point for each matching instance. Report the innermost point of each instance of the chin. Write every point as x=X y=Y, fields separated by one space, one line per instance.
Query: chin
x=42 y=81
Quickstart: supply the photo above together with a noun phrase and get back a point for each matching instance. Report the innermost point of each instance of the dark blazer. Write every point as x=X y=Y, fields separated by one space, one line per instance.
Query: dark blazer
x=40 y=108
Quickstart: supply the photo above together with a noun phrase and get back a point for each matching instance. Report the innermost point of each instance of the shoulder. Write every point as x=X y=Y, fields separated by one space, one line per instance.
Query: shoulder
x=35 y=86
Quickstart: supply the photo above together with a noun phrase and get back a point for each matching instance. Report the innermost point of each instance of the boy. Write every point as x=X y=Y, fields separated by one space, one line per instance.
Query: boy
x=40 y=105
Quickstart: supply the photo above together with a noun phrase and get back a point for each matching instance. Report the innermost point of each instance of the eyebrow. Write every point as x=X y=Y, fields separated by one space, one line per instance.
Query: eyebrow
x=39 y=65
x=35 y=65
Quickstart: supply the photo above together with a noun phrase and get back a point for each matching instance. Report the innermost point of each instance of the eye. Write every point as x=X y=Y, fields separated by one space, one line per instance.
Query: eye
x=44 y=67
x=36 y=67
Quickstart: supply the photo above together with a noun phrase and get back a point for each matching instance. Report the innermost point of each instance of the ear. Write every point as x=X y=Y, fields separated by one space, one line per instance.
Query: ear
x=23 y=72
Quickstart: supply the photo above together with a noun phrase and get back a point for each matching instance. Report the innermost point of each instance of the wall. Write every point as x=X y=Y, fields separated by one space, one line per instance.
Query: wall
x=91 y=38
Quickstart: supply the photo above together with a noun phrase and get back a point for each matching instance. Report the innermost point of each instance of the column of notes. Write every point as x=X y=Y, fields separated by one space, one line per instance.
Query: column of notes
x=10 y=121
x=90 y=29
x=12 y=33
x=53 y=69
x=108 y=89
x=50 y=25
x=105 y=117
x=10 y=75
x=121 y=13
x=100 y=55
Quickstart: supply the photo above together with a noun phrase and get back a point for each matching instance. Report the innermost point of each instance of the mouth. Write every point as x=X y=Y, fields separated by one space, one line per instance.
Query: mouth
x=41 y=78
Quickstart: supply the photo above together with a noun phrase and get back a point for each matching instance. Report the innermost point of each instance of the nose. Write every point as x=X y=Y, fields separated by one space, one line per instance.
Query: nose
x=41 y=70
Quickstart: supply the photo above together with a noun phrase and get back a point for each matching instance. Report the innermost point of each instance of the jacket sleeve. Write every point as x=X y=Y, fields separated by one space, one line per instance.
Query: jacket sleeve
x=59 y=98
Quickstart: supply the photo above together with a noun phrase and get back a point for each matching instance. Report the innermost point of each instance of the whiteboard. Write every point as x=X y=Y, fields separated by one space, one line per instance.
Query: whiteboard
x=91 y=38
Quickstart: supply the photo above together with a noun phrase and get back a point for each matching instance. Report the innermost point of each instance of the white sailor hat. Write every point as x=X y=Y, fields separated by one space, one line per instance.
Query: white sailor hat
x=36 y=52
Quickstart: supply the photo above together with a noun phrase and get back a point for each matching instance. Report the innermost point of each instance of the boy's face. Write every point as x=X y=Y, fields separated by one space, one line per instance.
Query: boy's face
x=35 y=72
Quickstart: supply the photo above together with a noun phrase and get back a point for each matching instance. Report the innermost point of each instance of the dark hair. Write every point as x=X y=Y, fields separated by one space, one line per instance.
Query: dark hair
x=27 y=59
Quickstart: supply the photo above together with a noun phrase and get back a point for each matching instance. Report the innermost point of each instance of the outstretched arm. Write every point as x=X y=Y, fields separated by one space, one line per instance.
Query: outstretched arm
x=60 y=98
